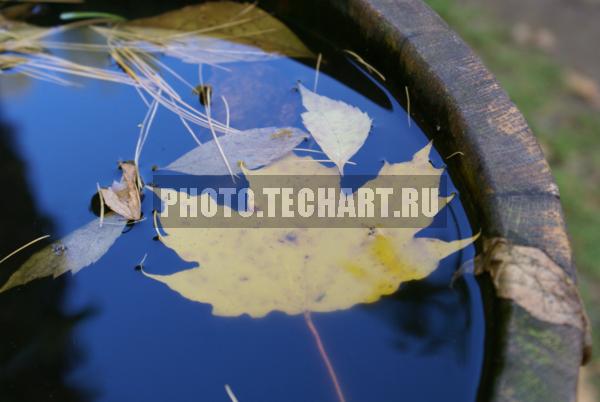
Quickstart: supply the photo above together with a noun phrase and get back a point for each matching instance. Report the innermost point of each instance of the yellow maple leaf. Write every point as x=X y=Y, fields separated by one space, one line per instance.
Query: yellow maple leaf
x=255 y=271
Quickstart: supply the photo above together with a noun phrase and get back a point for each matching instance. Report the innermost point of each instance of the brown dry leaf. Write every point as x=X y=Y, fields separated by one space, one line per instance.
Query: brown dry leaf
x=242 y=23
x=531 y=279
x=124 y=197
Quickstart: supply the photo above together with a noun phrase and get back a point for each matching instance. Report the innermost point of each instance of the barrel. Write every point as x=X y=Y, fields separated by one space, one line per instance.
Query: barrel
x=506 y=184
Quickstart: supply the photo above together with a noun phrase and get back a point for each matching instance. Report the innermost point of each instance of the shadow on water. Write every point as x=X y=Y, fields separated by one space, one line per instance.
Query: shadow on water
x=36 y=349
x=425 y=328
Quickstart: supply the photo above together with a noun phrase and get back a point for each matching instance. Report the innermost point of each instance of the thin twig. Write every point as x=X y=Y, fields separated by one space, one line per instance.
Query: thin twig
x=216 y=139
x=317 y=72
x=24 y=247
x=309 y=150
x=230 y=393
x=324 y=356
x=369 y=67
x=144 y=132
x=227 y=116
x=407 y=105
x=324 y=161
x=101 y=204
x=454 y=154
x=154 y=217
x=141 y=263
x=189 y=130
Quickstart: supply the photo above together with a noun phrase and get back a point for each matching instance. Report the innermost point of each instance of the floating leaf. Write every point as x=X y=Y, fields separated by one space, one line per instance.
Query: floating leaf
x=339 y=129
x=256 y=271
x=124 y=197
x=76 y=251
x=242 y=24
x=255 y=148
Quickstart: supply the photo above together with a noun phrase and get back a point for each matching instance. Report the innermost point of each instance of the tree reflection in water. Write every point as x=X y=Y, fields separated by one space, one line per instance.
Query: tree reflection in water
x=36 y=350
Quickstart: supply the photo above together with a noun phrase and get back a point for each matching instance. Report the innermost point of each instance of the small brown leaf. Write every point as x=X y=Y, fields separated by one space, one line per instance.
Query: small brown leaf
x=124 y=197
x=531 y=279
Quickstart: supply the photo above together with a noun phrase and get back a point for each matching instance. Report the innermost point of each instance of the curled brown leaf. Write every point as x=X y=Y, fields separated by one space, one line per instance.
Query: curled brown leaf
x=124 y=197
x=531 y=279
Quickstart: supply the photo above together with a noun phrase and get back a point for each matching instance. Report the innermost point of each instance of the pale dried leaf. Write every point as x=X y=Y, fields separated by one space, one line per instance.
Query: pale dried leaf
x=255 y=148
x=339 y=129
x=74 y=252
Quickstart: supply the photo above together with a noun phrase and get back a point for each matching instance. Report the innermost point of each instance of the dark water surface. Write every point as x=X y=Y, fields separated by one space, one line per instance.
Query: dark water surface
x=109 y=334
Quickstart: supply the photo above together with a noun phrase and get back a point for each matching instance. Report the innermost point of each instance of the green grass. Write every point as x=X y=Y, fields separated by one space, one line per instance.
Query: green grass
x=568 y=130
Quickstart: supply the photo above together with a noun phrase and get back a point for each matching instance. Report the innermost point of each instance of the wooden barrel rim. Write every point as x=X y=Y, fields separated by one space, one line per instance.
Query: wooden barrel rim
x=505 y=182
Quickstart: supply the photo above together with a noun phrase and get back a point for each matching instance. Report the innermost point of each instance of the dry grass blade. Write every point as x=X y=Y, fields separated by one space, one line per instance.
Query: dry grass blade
x=216 y=139
x=24 y=49
x=83 y=47
x=227 y=116
x=369 y=67
x=317 y=72
x=24 y=247
x=143 y=136
x=454 y=154
x=153 y=84
x=230 y=393
x=324 y=161
x=309 y=150
x=101 y=199
x=407 y=105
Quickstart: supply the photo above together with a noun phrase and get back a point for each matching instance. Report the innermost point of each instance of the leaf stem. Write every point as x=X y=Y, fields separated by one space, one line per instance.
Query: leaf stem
x=324 y=356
